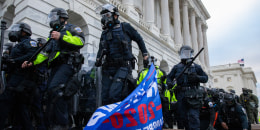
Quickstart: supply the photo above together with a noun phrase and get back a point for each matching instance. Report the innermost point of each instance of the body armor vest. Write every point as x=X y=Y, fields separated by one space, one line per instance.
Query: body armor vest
x=117 y=44
x=183 y=80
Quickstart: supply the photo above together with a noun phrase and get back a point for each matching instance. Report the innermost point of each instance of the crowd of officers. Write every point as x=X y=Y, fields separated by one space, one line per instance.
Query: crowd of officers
x=39 y=93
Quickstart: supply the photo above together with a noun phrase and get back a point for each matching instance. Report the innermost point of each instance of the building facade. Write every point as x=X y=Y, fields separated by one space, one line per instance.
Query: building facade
x=165 y=25
x=233 y=76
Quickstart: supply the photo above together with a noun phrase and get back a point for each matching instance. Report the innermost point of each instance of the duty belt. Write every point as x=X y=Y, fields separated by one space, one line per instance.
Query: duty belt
x=117 y=64
x=188 y=88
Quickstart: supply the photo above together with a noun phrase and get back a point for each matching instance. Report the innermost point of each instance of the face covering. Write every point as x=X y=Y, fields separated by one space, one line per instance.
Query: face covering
x=108 y=20
x=14 y=36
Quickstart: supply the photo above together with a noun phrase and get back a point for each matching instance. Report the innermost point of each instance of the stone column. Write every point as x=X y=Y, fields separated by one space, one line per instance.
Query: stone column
x=130 y=10
x=205 y=42
x=149 y=11
x=186 y=27
x=149 y=16
x=177 y=23
x=193 y=31
x=200 y=41
x=165 y=17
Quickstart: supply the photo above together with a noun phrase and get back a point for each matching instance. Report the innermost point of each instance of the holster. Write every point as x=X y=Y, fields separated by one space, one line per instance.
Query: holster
x=133 y=62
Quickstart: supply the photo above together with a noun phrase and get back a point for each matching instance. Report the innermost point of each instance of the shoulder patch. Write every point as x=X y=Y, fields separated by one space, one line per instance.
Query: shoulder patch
x=33 y=44
x=78 y=29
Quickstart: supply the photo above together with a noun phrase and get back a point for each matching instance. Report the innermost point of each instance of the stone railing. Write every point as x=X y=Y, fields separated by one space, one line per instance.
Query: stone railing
x=118 y=5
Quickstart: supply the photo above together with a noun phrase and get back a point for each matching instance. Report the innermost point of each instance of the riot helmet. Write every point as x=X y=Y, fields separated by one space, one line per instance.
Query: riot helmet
x=229 y=99
x=15 y=31
x=151 y=60
x=232 y=91
x=54 y=17
x=186 y=52
x=41 y=41
x=245 y=91
x=107 y=13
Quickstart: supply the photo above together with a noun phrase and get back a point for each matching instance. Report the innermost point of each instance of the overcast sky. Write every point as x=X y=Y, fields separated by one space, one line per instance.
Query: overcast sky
x=234 y=33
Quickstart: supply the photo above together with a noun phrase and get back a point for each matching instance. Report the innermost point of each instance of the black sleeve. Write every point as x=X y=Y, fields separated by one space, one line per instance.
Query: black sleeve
x=242 y=115
x=203 y=77
x=220 y=115
x=100 y=47
x=134 y=35
x=171 y=75
x=28 y=50
x=212 y=116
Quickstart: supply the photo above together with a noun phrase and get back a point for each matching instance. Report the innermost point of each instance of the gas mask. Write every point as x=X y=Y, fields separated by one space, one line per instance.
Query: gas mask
x=107 y=20
x=14 y=34
x=245 y=92
x=54 y=21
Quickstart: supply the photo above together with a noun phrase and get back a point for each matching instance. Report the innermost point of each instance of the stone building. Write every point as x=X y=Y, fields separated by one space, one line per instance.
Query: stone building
x=233 y=76
x=165 y=25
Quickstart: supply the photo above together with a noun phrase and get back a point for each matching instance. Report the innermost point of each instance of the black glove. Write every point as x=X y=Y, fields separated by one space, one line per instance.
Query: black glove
x=193 y=78
x=256 y=105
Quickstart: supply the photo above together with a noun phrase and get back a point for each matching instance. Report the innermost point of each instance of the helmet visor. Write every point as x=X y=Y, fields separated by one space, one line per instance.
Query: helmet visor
x=104 y=8
x=108 y=14
x=15 y=27
x=185 y=54
x=52 y=16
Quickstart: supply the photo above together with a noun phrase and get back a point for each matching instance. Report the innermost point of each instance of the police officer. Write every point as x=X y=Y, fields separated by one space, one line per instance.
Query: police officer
x=62 y=53
x=207 y=112
x=38 y=104
x=19 y=80
x=115 y=42
x=187 y=94
x=246 y=100
x=254 y=103
x=234 y=93
x=232 y=115
x=161 y=80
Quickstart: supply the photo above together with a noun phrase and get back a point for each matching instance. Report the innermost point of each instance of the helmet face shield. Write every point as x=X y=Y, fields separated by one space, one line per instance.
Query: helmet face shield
x=185 y=54
x=52 y=16
x=104 y=9
x=108 y=14
x=15 y=28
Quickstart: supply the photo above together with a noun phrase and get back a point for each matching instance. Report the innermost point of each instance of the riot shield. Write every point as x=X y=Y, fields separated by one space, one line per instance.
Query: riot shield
x=91 y=83
x=90 y=90
x=2 y=84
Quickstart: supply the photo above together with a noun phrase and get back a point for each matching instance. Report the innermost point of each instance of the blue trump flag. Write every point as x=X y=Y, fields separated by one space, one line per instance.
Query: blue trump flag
x=141 y=110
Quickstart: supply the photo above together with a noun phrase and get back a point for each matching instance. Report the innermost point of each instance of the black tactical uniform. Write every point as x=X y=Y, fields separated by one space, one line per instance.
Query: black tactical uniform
x=64 y=61
x=20 y=83
x=233 y=114
x=115 y=42
x=207 y=112
x=187 y=93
